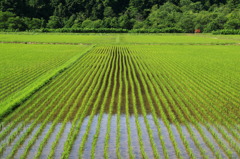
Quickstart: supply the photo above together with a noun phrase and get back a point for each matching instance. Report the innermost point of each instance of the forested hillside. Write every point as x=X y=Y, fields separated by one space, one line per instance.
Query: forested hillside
x=185 y=15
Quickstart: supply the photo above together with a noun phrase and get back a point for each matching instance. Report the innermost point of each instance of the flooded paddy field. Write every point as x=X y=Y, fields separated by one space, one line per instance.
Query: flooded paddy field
x=133 y=102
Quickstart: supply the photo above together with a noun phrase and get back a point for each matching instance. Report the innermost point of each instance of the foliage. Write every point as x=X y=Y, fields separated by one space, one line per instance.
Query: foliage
x=226 y=32
x=187 y=15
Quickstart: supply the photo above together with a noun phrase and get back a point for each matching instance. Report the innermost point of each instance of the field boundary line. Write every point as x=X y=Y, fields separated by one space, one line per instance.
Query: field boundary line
x=11 y=103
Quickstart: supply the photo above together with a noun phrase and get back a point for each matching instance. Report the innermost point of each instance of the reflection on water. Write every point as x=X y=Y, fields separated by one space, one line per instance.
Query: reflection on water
x=47 y=148
x=63 y=139
x=139 y=136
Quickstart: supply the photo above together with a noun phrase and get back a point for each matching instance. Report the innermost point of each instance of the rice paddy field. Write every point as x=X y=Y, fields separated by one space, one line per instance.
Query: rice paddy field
x=150 y=96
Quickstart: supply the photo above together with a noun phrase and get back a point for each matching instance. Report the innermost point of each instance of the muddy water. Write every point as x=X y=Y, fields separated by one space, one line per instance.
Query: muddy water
x=124 y=146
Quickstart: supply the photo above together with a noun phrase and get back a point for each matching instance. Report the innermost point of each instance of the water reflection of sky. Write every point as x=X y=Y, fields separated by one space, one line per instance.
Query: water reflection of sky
x=158 y=131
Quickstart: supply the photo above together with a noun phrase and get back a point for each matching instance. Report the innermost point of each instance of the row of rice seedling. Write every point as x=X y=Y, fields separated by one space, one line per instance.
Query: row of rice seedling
x=112 y=78
x=226 y=136
x=134 y=105
x=91 y=94
x=173 y=82
x=29 y=64
x=66 y=91
x=62 y=112
x=103 y=93
x=65 y=83
x=15 y=117
x=19 y=80
x=163 y=102
x=119 y=101
x=206 y=97
x=70 y=112
x=228 y=92
x=167 y=123
x=171 y=112
x=126 y=84
x=182 y=119
x=67 y=99
x=92 y=111
x=86 y=83
x=111 y=105
x=153 y=144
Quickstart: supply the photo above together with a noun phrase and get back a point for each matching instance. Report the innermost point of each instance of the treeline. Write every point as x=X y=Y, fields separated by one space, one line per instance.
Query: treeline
x=134 y=15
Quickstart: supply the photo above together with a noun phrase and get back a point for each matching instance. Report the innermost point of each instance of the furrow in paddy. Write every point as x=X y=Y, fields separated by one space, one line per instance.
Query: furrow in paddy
x=46 y=119
x=140 y=90
x=123 y=102
x=81 y=113
x=206 y=101
x=34 y=105
x=86 y=84
x=75 y=96
x=108 y=75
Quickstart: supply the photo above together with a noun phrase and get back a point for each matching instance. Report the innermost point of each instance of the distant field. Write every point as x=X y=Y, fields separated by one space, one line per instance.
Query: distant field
x=123 y=98
x=120 y=38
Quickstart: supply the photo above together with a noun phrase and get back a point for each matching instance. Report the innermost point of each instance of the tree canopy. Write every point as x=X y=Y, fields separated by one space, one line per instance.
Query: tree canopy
x=188 y=15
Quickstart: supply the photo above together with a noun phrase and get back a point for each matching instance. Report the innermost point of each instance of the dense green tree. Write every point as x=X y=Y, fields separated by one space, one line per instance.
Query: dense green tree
x=70 y=21
x=16 y=23
x=34 y=23
x=166 y=15
x=4 y=16
x=233 y=21
x=108 y=12
x=54 y=22
x=207 y=15
x=186 y=22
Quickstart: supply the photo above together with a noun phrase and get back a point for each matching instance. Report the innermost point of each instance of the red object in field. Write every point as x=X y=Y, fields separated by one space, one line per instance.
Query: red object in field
x=197 y=31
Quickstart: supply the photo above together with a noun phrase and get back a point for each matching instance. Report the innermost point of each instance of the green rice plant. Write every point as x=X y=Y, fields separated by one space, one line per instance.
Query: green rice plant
x=125 y=81
x=217 y=116
x=21 y=140
x=17 y=118
x=95 y=106
x=55 y=91
x=85 y=82
x=205 y=138
x=71 y=110
x=140 y=139
x=8 y=105
x=150 y=133
x=119 y=101
x=82 y=113
x=113 y=75
x=25 y=121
